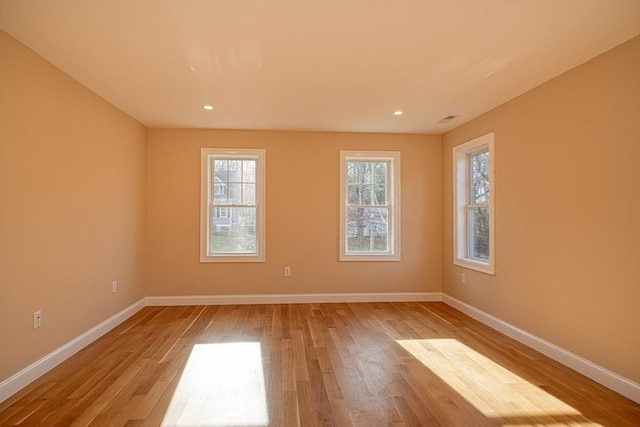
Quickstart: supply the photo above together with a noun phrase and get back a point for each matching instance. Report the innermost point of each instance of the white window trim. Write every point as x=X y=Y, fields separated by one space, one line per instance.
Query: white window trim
x=393 y=157
x=460 y=196
x=260 y=156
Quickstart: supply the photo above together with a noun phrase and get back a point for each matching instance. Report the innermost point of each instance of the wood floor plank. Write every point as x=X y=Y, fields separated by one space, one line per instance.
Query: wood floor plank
x=365 y=364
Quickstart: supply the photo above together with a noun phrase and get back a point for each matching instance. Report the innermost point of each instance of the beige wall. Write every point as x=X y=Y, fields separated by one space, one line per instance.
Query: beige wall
x=72 y=183
x=302 y=216
x=567 y=212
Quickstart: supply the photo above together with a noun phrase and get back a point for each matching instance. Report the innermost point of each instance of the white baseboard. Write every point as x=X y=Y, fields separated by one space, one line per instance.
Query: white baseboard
x=293 y=298
x=18 y=381
x=626 y=387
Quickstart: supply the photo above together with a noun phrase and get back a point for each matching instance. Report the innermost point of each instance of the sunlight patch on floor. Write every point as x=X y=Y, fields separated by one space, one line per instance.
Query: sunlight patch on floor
x=492 y=389
x=222 y=385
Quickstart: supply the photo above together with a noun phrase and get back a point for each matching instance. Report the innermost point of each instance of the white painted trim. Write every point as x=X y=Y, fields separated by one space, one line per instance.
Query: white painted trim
x=460 y=196
x=260 y=156
x=393 y=197
x=18 y=381
x=293 y=298
x=626 y=387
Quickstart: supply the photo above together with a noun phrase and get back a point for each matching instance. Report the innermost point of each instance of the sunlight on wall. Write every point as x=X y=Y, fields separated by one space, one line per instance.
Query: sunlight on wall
x=222 y=385
x=493 y=390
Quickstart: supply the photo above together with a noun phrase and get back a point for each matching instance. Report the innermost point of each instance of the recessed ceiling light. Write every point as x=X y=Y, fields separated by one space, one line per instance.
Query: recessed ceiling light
x=208 y=107
x=397 y=113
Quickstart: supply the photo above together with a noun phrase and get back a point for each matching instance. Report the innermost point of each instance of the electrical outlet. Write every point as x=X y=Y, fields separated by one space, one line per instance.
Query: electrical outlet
x=287 y=271
x=114 y=286
x=37 y=319
x=463 y=278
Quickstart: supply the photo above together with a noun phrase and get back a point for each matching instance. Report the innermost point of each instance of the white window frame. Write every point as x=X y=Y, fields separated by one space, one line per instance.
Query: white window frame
x=461 y=197
x=206 y=154
x=393 y=201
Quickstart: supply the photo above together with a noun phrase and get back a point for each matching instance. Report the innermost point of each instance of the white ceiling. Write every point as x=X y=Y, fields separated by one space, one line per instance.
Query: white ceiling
x=316 y=65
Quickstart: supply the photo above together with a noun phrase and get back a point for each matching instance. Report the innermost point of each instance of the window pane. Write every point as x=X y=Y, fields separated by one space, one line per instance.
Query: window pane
x=221 y=167
x=249 y=171
x=479 y=178
x=235 y=170
x=367 y=172
x=248 y=194
x=220 y=198
x=480 y=192
x=355 y=214
x=379 y=195
x=479 y=165
x=353 y=194
x=219 y=179
x=365 y=194
x=367 y=229
x=235 y=193
x=360 y=242
x=352 y=228
x=380 y=175
x=353 y=173
x=235 y=233
x=479 y=233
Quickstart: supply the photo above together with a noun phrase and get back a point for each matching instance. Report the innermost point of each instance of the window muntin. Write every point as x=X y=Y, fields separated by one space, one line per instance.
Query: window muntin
x=232 y=213
x=474 y=204
x=369 y=191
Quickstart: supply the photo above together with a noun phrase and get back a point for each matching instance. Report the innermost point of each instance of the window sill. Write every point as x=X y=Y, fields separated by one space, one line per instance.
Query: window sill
x=483 y=267
x=369 y=258
x=232 y=258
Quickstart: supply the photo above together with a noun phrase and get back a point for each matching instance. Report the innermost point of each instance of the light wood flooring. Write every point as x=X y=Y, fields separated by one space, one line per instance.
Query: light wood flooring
x=369 y=364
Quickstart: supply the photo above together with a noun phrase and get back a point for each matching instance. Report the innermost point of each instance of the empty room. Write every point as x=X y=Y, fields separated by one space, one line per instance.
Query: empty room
x=319 y=213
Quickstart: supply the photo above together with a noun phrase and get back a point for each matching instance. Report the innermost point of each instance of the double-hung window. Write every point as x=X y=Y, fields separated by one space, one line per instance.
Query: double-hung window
x=369 y=206
x=474 y=196
x=232 y=214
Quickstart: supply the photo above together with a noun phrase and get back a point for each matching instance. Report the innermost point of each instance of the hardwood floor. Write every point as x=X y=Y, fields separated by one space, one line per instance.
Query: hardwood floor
x=370 y=364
